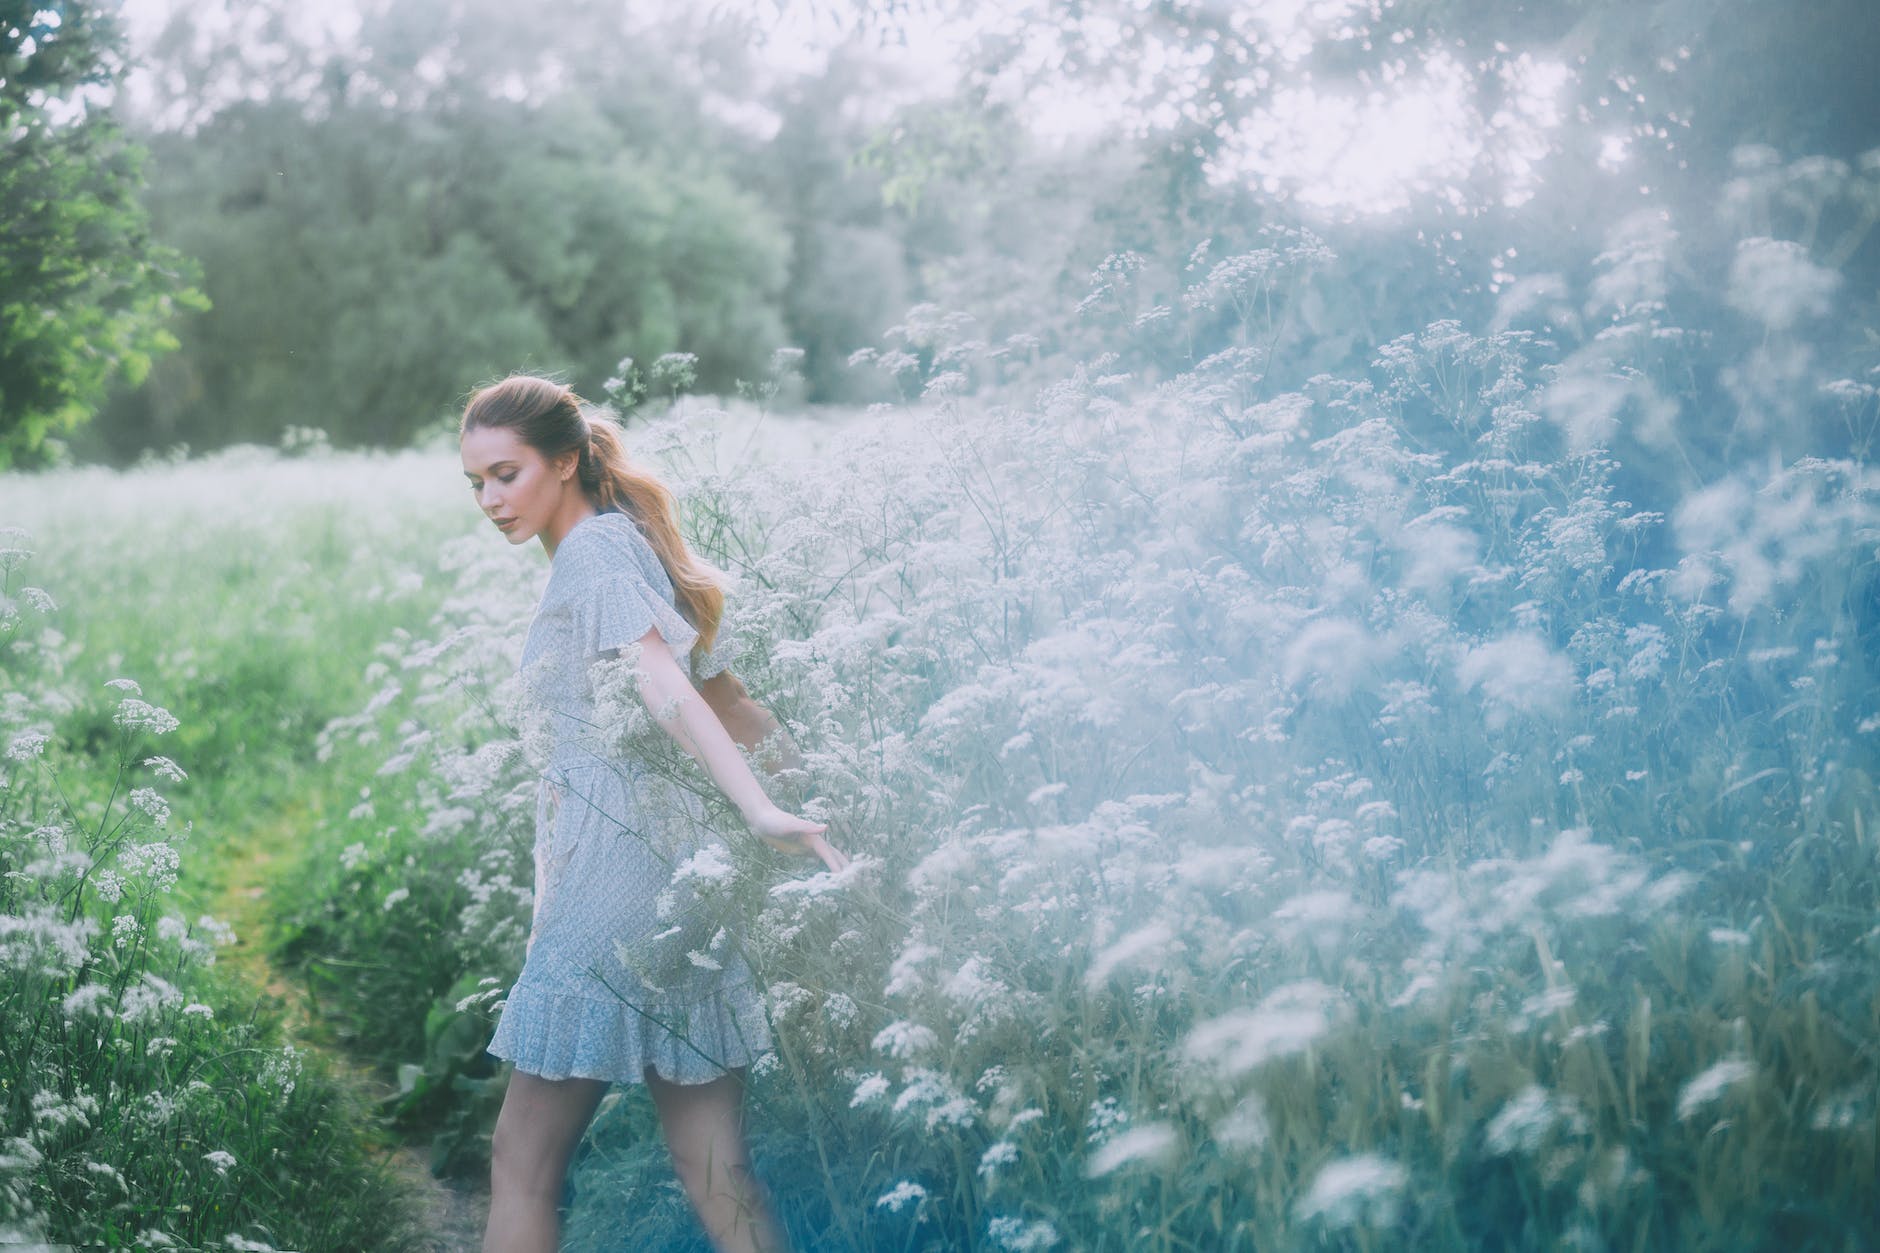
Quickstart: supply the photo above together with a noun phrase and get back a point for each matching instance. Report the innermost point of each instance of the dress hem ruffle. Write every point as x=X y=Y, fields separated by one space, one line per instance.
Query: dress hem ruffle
x=569 y=1036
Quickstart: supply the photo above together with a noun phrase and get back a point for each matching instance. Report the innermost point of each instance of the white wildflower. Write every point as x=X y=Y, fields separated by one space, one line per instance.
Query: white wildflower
x=711 y=864
x=839 y=1009
x=53 y=1112
x=125 y=929
x=955 y=1111
x=394 y=896
x=872 y=1087
x=1288 y=1020
x=1333 y=653
x=1152 y=1144
x=148 y=998
x=1364 y=1189
x=151 y=804
x=28 y=746
x=1522 y=1124
x=283 y=1069
x=166 y=769
x=927 y=1087
x=901 y=1194
x=221 y=1159
x=87 y=998
x=1244 y=1128
x=1321 y=917
x=904 y=975
x=137 y=715
x=1517 y=673
x=1146 y=945
x=998 y=1153
x=904 y=1039
x=1775 y=282
x=1841 y=1111
x=1018 y=1236
x=1712 y=1083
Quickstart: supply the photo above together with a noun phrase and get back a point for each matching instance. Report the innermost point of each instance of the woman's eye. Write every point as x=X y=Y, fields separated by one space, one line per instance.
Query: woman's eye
x=506 y=478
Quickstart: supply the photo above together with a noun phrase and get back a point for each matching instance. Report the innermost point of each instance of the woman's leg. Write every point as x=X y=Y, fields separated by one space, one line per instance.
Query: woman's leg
x=541 y=1122
x=704 y=1126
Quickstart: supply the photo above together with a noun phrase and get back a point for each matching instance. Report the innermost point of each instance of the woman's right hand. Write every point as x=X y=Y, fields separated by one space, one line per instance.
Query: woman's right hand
x=787 y=833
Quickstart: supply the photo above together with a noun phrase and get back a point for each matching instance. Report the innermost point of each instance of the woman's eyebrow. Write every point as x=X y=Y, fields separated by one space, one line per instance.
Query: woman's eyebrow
x=471 y=474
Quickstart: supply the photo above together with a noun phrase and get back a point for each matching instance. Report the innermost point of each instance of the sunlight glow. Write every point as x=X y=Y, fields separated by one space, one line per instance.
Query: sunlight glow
x=1411 y=131
x=1378 y=152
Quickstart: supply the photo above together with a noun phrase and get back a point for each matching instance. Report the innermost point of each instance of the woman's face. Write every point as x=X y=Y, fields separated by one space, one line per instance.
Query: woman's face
x=515 y=486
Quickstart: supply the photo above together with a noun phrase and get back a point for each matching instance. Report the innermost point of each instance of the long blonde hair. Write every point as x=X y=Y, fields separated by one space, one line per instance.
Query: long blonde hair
x=550 y=418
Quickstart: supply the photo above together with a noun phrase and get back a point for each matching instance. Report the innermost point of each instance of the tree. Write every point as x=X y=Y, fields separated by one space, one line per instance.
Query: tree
x=385 y=224
x=85 y=293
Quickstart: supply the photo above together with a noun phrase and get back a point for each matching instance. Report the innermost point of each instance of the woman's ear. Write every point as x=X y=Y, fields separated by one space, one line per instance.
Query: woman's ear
x=566 y=465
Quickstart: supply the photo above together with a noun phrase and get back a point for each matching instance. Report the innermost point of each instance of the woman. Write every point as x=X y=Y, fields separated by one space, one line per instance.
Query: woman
x=596 y=1003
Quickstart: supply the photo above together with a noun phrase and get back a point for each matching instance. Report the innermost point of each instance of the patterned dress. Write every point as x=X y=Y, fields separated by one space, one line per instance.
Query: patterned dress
x=628 y=963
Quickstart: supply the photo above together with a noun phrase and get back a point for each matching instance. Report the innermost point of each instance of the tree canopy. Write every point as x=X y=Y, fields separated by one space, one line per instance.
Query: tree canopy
x=86 y=293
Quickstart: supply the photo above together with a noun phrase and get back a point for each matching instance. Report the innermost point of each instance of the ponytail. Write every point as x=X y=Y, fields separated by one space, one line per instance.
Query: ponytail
x=618 y=484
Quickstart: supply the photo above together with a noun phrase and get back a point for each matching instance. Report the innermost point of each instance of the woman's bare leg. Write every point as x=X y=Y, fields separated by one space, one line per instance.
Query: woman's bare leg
x=704 y=1126
x=541 y=1122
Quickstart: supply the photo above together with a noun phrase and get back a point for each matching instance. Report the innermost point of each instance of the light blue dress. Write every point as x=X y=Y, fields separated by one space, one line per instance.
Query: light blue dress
x=626 y=968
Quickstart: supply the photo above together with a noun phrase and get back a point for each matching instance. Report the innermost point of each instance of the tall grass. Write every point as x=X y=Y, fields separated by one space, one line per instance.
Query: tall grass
x=1370 y=812
x=1423 y=806
x=162 y=685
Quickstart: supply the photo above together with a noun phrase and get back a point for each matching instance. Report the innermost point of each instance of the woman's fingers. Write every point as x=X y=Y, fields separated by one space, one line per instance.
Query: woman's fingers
x=831 y=857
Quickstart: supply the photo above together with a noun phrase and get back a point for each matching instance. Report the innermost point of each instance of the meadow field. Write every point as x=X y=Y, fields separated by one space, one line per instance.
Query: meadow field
x=1399 y=810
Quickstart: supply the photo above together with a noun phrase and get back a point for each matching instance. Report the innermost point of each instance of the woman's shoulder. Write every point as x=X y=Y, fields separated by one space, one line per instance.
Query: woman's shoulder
x=601 y=545
x=598 y=533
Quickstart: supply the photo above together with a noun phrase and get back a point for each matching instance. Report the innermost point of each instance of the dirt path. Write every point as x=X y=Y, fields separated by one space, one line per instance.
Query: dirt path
x=453 y=1213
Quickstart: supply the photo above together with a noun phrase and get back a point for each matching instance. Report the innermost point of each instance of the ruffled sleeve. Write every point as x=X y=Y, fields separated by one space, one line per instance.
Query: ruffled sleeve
x=614 y=597
x=715 y=660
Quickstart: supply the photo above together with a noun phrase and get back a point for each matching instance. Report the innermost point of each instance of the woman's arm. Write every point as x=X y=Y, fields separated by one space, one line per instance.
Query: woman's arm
x=680 y=712
x=748 y=722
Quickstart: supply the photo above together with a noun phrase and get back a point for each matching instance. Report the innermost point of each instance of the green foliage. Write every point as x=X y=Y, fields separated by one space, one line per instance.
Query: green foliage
x=371 y=266
x=86 y=295
x=379 y=249
x=144 y=1098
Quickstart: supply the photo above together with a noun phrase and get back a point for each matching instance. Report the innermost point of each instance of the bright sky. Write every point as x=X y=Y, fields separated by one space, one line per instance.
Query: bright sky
x=1412 y=133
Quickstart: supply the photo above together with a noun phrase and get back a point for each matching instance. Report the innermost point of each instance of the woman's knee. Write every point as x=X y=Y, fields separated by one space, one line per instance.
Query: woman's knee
x=537 y=1130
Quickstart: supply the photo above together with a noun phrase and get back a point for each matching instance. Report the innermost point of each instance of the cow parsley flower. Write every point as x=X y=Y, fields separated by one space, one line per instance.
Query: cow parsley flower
x=904 y=1039
x=166 y=769
x=899 y=1195
x=998 y=1153
x=1019 y=1236
x=124 y=929
x=137 y=715
x=151 y=804
x=1712 y=1083
x=27 y=746
x=1151 y=1143
x=872 y=1088
x=1353 y=1191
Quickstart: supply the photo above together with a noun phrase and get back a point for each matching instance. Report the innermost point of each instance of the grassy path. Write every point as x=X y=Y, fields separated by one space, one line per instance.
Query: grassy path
x=234 y=885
